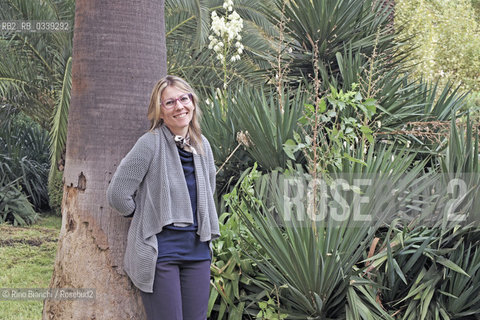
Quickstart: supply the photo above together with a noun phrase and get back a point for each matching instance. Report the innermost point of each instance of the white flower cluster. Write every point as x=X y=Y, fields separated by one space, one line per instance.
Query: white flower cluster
x=226 y=30
x=228 y=5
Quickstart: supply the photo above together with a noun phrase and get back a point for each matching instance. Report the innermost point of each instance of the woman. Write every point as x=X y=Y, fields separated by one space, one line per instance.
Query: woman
x=166 y=182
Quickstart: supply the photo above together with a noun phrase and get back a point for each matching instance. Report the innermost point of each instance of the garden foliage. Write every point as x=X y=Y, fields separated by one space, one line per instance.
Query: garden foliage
x=23 y=170
x=310 y=98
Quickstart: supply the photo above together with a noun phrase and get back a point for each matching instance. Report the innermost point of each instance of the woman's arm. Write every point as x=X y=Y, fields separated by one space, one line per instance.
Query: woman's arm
x=129 y=175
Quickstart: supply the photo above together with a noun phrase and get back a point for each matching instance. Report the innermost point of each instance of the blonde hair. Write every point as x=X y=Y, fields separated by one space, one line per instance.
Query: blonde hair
x=154 y=108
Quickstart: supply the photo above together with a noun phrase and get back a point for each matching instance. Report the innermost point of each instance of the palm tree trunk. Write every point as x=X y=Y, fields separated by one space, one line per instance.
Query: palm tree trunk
x=118 y=55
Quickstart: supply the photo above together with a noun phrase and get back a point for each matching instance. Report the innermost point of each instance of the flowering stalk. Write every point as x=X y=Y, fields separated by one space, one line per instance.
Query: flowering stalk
x=225 y=39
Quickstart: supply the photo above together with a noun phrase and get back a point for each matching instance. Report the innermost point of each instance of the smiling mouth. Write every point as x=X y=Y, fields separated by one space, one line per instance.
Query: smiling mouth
x=183 y=115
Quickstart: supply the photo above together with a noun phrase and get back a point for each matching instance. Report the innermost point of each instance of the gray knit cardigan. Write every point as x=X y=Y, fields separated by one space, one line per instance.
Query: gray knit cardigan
x=150 y=182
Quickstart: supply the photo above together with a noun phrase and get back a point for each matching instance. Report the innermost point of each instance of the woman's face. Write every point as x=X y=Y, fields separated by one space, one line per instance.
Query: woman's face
x=178 y=116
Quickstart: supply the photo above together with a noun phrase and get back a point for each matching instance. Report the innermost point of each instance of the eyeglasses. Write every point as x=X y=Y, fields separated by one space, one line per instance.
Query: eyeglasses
x=184 y=100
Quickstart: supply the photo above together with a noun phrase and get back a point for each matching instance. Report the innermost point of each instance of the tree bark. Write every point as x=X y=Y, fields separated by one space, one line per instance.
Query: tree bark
x=118 y=55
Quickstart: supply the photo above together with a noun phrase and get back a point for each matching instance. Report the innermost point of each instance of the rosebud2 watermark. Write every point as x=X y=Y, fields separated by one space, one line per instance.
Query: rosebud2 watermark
x=46 y=293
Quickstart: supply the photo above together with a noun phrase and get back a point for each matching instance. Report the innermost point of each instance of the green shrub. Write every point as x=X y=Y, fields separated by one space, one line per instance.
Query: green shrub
x=14 y=205
x=446 y=38
x=233 y=293
x=476 y=7
x=24 y=155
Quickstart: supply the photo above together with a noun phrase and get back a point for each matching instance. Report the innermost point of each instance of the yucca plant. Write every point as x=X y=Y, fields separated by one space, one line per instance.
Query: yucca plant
x=310 y=256
x=219 y=125
x=352 y=42
x=245 y=124
x=422 y=272
x=406 y=107
x=460 y=170
x=416 y=113
x=458 y=293
x=188 y=26
x=331 y=27
x=424 y=264
x=258 y=113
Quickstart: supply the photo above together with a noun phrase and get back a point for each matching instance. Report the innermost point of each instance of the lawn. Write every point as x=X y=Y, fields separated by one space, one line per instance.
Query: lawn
x=27 y=256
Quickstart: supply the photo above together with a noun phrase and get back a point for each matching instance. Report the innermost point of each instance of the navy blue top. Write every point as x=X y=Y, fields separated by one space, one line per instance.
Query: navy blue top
x=183 y=243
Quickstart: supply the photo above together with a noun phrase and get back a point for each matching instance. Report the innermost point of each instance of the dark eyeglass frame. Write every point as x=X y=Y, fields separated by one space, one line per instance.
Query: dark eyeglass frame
x=176 y=100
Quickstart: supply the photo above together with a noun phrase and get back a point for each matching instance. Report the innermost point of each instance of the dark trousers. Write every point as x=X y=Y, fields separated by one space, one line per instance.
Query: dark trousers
x=180 y=291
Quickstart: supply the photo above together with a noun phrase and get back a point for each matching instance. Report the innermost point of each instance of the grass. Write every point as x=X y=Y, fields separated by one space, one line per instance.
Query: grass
x=27 y=256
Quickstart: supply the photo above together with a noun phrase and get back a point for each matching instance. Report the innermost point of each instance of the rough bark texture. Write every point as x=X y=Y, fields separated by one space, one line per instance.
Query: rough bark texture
x=118 y=55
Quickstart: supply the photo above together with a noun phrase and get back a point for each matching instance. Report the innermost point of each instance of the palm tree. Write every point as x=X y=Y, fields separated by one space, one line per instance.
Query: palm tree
x=119 y=53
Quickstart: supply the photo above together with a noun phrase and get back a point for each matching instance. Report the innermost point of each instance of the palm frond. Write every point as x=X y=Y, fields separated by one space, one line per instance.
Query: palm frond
x=58 y=131
x=31 y=62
